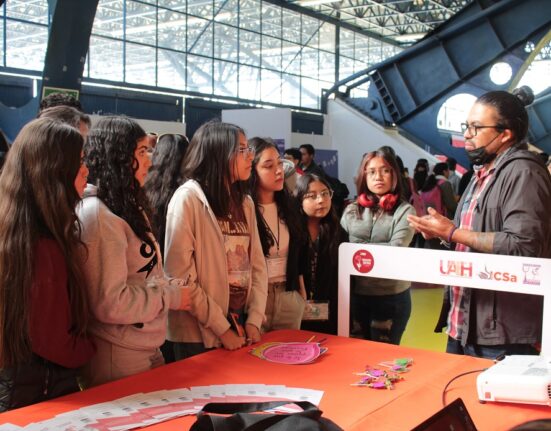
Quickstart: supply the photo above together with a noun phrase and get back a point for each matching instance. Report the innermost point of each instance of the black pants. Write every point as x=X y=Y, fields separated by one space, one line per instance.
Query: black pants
x=39 y=380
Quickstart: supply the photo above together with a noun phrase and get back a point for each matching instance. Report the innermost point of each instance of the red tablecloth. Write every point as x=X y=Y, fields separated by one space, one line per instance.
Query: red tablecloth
x=353 y=408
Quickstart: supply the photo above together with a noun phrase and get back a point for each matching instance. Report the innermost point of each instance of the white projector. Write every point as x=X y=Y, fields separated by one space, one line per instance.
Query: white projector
x=517 y=379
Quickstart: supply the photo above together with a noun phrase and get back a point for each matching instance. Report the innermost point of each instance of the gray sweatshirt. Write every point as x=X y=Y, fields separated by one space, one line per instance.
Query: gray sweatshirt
x=386 y=229
x=129 y=295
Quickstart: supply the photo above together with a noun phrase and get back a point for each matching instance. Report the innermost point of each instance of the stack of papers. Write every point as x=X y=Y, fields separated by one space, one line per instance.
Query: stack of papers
x=145 y=409
x=292 y=353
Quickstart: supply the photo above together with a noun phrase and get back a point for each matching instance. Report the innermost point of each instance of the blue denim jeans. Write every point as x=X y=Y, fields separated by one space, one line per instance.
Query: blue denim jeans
x=489 y=352
x=382 y=318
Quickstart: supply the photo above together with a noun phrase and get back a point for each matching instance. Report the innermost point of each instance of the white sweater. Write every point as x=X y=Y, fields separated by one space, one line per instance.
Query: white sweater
x=194 y=248
x=128 y=292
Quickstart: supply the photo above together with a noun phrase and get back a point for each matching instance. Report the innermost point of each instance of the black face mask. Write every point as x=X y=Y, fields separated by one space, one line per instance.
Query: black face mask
x=480 y=156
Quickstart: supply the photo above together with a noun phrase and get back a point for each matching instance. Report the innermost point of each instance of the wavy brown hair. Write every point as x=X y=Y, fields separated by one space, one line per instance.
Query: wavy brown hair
x=37 y=199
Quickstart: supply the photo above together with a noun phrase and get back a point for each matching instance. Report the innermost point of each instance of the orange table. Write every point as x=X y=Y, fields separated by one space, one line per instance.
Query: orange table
x=353 y=408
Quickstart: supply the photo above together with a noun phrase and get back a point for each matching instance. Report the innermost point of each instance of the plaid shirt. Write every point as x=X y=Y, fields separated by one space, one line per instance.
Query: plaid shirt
x=480 y=181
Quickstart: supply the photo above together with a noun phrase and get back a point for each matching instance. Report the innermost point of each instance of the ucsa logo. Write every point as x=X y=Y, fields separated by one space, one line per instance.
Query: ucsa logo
x=497 y=276
x=456 y=268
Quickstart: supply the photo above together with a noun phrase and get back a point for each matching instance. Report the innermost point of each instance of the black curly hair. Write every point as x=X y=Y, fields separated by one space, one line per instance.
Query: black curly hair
x=164 y=177
x=109 y=155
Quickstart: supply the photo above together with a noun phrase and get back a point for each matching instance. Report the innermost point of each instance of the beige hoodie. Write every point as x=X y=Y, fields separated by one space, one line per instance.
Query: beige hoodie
x=194 y=248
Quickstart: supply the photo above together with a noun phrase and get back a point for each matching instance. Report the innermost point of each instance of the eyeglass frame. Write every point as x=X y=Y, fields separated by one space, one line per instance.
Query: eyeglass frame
x=467 y=127
x=325 y=194
x=247 y=151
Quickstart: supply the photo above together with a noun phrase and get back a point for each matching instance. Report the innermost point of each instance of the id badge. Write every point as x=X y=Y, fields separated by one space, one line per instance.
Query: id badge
x=316 y=310
x=276 y=267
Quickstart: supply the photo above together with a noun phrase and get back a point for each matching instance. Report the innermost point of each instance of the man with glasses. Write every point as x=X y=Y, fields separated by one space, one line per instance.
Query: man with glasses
x=504 y=210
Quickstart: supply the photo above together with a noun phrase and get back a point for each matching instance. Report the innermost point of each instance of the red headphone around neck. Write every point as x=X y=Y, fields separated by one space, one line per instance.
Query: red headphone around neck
x=387 y=202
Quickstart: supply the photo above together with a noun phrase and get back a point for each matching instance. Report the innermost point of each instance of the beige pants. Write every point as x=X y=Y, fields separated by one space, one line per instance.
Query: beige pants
x=113 y=362
x=283 y=309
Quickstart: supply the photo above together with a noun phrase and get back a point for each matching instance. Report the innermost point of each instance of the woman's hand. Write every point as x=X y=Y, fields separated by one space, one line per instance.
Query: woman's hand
x=253 y=333
x=433 y=225
x=232 y=341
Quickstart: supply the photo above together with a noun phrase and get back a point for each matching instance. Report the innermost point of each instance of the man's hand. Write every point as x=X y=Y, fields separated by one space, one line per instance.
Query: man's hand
x=232 y=341
x=433 y=225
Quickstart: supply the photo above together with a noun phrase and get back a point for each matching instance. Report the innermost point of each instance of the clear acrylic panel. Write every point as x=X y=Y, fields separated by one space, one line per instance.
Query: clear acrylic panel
x=105 y=57
x=291 y=58
x=290 y=90
x=226 y=11
x=32 y=11
x=270 y=86
x=202 y=8
x=140 y=64
x=199 y=36
x=199 y=74
x=327 y=37
x=310 y=63
x=310 y=31
x=291 y=26
x=171 y=69
x=310 y=93
x=249 y=48
x=172 y=30
x=327 y=67
x=225 y=42
x=26 y=44
x=271 y=52
x=249 y=83
x=225 y=78
x=109 y=19
x=141 y=23
x=271 y=20
x=249 y=14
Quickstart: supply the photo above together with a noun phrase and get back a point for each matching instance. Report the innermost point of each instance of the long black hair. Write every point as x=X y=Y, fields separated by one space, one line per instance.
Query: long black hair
x=109 y=155
x=329 y=225
x=208 y=161
x=287 y=208
x=164 y=177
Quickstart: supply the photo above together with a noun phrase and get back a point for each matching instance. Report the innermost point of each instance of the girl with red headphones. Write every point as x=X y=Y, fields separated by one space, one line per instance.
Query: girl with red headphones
x=379 y=216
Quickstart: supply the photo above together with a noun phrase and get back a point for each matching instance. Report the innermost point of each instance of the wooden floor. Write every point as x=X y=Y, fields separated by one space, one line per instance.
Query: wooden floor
x=426 y=304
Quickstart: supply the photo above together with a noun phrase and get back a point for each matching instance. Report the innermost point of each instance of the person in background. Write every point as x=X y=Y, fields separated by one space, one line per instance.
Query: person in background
x=295 y=156
x=69 y=115
x=212 y=240
x=163 y=178
x=59 y=99
x=379 y=216
x=122 y=264
x=45 y=313
x=282 y=238
x=324 y=237
x=505 y=210
x=453 y=178
x=308 y=165
x=404 y=177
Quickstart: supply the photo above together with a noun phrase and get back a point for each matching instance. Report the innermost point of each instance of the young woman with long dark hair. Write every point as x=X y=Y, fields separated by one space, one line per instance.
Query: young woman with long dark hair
x=379 y=216
x=129 y=295
x=44 y=312
x=212 y=240
x=324 y=237
x=281 y=235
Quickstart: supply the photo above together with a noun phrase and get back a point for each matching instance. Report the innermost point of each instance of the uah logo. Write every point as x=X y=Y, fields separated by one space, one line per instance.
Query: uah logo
x=456 y=268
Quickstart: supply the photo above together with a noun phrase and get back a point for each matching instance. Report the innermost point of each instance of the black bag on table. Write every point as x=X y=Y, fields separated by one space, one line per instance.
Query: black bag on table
x=242 y=419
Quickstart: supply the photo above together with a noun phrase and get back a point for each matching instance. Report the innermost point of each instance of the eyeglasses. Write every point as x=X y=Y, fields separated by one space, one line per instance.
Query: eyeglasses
x=373 y=173
x=473 y=130
x=247 y=151
x=325 y=194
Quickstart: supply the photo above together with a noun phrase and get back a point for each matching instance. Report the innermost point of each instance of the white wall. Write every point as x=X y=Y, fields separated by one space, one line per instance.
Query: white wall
x=265 y=123
x=353 y=134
